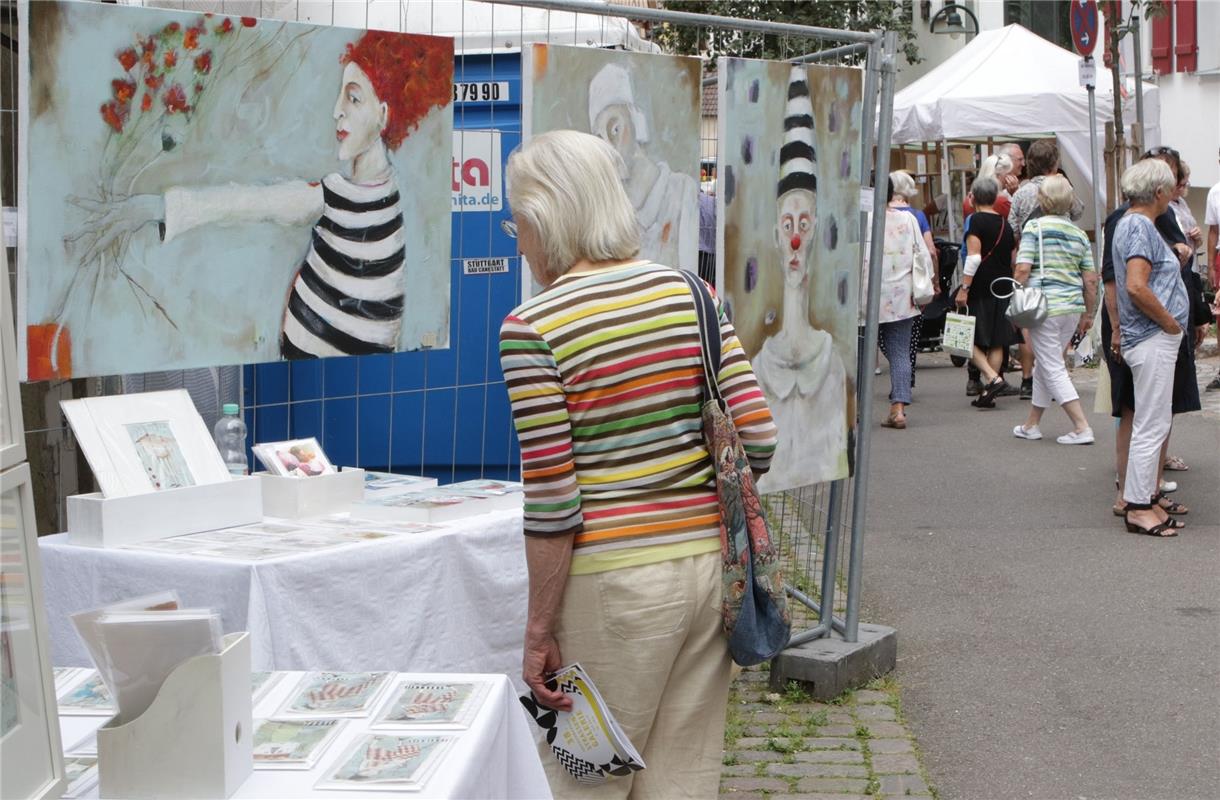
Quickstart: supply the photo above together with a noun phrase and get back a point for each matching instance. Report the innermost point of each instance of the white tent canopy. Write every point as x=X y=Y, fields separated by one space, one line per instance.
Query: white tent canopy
x=1012 y=82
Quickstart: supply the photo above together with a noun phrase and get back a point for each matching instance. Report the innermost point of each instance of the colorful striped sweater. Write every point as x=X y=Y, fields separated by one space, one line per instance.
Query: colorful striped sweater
x=605 y=379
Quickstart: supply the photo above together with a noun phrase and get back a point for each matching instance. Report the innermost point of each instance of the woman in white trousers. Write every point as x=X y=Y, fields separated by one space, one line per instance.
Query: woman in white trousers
x=1056 y=256
x=1153 y=311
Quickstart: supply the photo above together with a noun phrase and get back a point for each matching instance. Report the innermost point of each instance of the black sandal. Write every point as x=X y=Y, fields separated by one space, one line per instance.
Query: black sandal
x=988 y=393
x=1156 y=530
x=1169 y=506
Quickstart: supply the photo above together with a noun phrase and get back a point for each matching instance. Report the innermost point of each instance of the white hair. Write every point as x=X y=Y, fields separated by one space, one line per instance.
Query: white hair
x=995 y=166
x=1143 y=179
x=904 y=184
x=1008 y=148
x=566 y=185
x=1055 y=195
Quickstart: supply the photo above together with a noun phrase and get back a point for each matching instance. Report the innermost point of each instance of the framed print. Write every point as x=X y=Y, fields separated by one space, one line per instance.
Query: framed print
x=31 y=755
x=335 y=694
x=12 y=432
x=142 y=443
x=430 y=704
x=388 y=763
x=292 y=743
x=296 y=458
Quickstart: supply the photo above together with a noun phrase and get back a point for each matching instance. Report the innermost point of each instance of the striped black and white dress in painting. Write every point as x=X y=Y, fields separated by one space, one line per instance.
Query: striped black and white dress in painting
x=347 y=297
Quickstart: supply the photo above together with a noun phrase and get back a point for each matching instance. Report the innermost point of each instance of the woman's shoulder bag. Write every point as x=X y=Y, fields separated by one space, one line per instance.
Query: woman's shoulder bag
x=754 y=606
x=1026 y=304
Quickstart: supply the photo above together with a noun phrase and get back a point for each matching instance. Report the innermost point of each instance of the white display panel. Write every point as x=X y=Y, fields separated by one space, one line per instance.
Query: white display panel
x=12 y=432
x=31 y=757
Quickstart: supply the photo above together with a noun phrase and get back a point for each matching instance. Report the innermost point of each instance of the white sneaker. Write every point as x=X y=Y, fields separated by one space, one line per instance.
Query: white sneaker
x=1168 y=486
x=1084 y=437
x=1022 y=432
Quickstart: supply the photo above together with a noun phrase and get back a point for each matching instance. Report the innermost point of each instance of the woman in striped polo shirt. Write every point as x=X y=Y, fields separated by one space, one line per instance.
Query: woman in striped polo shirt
x=346 y=297
x=623 y=530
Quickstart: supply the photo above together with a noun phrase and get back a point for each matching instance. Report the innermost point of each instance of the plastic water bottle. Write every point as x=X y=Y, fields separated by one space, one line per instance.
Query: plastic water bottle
x=230 y=435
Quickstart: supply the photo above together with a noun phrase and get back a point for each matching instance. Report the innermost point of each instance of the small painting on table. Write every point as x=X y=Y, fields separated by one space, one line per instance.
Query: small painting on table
x=160 y=455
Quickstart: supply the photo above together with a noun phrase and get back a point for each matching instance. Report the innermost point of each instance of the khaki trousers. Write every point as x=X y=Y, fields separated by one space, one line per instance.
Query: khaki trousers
x=650 y=637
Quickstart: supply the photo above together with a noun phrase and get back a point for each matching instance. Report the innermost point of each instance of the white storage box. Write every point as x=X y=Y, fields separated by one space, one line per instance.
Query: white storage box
x=195 y=740
x=293 y=498
x=97 y=521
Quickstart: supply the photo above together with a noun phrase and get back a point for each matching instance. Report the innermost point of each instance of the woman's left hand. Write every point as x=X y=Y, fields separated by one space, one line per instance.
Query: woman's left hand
x=541 y=658
x=1184 y=252
x=962 y=296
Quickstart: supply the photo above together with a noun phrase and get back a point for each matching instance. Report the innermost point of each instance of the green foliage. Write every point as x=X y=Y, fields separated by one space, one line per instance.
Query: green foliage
x=861 y=15
x=795 y=693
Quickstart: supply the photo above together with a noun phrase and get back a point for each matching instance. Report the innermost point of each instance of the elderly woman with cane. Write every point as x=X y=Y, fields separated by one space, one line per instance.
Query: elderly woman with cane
x=622 y=523
x=1153 y=314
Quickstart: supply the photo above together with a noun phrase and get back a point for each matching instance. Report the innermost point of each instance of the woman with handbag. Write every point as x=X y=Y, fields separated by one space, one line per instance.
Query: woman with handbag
x=900 y=200
x=604 y=370
x=904 y=255
x=1067 y=280
x=989 y=250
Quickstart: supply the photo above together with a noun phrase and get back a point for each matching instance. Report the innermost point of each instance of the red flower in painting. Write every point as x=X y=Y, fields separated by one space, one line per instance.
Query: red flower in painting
x=249 y=22
x=198 y=88
x=171 y=59
x=153 y=81
x=146 y=103
x=191 y=40
x=225 y=27
x=114 y=114
x=148 y=45
x=127 y=58
x=173 y=27
x=175 y=99
x=123 y=90
x=203 y=63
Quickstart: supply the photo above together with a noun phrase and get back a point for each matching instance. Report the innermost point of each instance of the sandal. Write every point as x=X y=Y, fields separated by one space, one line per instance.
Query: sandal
x=989 y=392
x=1158 y=531
x=1170 y=506
x=1175 y=464
x=894 y=422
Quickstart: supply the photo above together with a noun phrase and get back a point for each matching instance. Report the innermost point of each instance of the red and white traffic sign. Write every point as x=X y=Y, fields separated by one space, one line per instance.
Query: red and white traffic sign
x=1084 y=26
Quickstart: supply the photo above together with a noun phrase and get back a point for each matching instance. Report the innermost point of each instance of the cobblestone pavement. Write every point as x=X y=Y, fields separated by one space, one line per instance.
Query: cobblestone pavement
x=788 y=746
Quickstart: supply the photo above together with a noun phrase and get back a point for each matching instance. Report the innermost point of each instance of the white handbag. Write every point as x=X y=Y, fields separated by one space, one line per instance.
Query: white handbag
x=922 y=288
x=958 y=336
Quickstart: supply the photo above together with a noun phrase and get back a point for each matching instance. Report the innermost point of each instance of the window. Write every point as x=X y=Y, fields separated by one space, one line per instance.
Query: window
x=1050 y=19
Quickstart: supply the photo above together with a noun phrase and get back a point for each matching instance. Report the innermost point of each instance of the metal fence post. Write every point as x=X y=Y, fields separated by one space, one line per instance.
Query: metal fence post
x=860 y=496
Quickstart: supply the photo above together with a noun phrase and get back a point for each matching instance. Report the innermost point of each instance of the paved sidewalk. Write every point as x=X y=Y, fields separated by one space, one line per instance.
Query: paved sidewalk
x=785 y=745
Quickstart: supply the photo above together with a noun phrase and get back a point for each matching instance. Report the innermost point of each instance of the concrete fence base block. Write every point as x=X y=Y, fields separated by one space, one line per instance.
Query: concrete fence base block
x=830 y=666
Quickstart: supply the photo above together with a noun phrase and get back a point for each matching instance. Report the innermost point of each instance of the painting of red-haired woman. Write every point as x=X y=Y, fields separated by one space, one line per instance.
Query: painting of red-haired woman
x=371 y=239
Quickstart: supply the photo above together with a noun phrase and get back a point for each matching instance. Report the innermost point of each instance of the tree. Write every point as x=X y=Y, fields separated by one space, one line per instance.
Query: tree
x=862 y=15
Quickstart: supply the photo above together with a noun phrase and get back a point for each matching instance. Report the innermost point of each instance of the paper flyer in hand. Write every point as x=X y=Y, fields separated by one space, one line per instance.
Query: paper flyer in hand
x=587 y=740
x=292 y=743
x=388 y=763
x=336 y=694
x=433 y=705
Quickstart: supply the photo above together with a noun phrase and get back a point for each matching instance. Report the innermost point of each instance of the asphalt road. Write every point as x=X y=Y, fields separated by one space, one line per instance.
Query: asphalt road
x=1043 y=651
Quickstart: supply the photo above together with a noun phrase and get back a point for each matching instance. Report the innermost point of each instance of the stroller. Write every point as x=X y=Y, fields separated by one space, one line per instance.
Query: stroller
x=934 y=313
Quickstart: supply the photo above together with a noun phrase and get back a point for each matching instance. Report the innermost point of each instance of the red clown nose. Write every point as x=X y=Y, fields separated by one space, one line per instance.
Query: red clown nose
x=796 y=242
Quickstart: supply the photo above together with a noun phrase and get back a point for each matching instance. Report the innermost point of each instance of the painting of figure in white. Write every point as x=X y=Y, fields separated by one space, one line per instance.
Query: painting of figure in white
x=789 y=189
x=248 y=190
x=646 y=107
x=160 y=455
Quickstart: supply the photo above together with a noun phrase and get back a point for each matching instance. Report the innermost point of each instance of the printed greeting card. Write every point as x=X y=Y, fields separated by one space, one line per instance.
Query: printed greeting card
x=336 y=694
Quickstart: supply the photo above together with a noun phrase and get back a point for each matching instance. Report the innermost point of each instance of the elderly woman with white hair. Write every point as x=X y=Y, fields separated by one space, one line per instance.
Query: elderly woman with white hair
x=903 y=189
x=1056 y=255
x=1153 y=314
x=997 y=167
x=622 y=523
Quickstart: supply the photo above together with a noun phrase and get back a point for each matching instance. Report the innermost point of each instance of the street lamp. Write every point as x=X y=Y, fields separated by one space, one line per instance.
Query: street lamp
x=950 y=16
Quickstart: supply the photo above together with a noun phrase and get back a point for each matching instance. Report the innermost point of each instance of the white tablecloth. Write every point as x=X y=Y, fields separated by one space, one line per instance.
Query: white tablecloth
x=494 y=758
x=446 y=600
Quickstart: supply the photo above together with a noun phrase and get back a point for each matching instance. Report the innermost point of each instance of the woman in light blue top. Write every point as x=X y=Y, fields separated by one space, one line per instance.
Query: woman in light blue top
x=1153 y=312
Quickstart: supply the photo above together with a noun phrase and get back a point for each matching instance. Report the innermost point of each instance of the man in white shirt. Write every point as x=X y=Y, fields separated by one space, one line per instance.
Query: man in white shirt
x=1211 y=219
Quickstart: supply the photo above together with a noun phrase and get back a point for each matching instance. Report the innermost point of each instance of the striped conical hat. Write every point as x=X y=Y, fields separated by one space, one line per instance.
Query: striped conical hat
x=797 y=156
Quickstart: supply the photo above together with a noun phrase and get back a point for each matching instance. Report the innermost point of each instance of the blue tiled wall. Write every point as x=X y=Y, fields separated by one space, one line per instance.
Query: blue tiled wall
x=442 y=413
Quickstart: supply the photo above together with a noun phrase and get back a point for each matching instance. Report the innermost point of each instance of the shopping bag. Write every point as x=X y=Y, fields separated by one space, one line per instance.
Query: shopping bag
x=958 y=338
